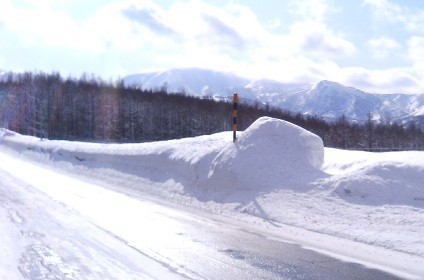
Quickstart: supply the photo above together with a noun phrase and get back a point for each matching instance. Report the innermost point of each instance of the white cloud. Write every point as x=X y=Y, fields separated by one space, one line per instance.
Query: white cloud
x=275 y=23
x=315 y=10
x=43 y=26
x=382 y=47
x=317 y=39
x=396 y=80
x=185 y=34
x=126 y=37
x=416 y=52
x=411 y=19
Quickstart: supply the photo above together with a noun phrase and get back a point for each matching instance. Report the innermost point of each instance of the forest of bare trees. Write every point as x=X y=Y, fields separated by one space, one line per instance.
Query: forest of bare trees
x=89 y=109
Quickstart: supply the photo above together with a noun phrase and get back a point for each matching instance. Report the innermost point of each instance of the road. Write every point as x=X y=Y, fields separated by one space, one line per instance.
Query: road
x=62 y=228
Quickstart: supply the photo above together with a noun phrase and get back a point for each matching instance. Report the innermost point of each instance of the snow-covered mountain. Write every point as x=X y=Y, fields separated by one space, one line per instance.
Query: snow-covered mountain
x=332 y=100
x=193 y=81
x=326 y=99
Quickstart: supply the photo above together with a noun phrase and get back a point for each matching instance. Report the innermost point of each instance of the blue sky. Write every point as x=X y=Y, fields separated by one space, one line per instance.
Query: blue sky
x=374 y=45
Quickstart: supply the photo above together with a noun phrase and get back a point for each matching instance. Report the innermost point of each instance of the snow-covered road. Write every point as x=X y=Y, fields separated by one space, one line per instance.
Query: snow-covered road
x=45 y=239
x=57 y=227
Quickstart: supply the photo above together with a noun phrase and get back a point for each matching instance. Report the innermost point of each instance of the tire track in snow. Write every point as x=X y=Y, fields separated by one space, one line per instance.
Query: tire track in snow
x=37 y=261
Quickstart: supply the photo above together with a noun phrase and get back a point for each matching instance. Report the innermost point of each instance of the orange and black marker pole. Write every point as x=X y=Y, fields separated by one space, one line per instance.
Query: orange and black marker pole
x=235 y=113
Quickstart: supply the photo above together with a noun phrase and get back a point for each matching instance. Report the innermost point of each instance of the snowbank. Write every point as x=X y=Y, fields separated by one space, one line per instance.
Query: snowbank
x=176 y=163
x=270 y=154
x=275 y=171
x=394 y=178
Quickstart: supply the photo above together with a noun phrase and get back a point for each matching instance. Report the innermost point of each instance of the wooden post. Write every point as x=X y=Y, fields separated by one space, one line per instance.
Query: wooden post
x=235 y=113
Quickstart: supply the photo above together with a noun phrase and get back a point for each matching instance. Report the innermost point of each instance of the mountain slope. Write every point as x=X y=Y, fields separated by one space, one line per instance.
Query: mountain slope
x=193 y=81
x=326 y=99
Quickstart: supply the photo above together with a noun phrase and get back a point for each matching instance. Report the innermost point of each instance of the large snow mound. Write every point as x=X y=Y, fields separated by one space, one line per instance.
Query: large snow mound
x=283 y=141
x=271 y=153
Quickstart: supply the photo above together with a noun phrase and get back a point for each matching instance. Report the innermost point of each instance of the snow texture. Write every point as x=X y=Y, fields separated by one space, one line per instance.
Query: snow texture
x=276 y=171
x=265 y=155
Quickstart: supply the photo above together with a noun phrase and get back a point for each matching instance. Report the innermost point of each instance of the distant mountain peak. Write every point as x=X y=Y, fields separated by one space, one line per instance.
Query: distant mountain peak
x=193 y=81
x=329 y=84
x=327 y=99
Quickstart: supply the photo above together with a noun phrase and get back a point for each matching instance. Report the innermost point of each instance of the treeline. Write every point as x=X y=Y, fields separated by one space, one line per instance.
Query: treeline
x=90 y=109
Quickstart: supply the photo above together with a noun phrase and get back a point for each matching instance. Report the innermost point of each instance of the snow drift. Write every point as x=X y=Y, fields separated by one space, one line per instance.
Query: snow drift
x=377 y=179
x=270 y=154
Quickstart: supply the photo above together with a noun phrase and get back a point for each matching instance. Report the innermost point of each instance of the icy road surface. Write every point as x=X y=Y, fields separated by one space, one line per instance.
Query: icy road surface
x=56 y=227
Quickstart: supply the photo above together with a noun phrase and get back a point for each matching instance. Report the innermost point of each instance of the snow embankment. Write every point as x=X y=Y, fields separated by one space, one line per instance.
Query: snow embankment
x=394 y=178
x=270 y=155
x=267 y=155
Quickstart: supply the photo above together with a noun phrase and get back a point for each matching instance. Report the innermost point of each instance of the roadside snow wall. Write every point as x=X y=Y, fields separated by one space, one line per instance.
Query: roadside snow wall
x=271 y=153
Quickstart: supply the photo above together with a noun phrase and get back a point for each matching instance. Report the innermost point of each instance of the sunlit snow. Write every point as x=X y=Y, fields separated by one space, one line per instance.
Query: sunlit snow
x=277 y=178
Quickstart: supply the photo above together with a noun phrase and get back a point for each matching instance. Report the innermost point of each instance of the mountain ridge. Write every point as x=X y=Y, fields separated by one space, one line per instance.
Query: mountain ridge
x=327 y=99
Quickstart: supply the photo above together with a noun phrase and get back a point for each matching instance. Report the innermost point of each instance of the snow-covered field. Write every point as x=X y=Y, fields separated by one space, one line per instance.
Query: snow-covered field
x=277 y=178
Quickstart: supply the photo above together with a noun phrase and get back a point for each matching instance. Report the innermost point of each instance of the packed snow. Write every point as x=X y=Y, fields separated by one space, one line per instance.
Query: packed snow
x=279 y=177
